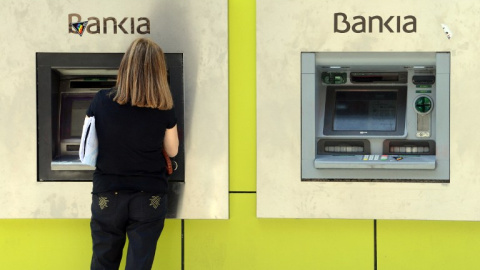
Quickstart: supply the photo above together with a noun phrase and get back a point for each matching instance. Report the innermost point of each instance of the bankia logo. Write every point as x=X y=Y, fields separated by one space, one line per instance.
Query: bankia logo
x=361 y=24
x=79 y=27
x=127 y=25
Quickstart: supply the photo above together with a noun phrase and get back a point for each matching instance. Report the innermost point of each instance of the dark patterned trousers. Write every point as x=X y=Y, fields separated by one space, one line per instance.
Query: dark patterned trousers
x=115 y=215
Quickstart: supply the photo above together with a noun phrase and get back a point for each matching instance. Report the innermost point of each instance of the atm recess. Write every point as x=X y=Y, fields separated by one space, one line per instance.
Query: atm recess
x=66 y=83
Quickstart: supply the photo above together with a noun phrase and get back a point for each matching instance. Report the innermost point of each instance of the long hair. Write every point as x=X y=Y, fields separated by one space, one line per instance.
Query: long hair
x=142 y=77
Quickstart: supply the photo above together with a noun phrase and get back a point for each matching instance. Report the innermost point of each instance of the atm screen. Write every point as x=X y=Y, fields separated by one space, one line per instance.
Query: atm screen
x=73 y=111
x=365 y=111
x=78 y=116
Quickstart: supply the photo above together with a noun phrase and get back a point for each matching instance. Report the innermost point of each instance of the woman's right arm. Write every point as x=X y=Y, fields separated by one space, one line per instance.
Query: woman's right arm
x=170 y=141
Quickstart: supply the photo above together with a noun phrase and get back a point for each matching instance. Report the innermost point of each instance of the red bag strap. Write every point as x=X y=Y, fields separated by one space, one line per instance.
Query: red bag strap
x=168 y=162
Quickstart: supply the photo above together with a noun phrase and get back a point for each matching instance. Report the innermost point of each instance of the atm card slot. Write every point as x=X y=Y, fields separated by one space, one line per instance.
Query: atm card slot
x=423 y=79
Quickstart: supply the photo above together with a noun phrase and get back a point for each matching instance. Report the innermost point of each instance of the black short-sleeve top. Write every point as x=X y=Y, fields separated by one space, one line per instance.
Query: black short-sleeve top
x=130 y=143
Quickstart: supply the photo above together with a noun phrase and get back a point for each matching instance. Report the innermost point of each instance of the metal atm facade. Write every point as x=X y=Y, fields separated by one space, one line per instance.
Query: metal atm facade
x=375 y=116
x=66 y=84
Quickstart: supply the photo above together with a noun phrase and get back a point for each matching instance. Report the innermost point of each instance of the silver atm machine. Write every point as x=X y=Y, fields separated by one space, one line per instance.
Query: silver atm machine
x=375 y=116
x=66 y=84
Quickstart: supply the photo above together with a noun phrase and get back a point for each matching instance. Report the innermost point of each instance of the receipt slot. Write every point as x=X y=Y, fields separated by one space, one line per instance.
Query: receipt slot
x=375 y=116
x=66 y=84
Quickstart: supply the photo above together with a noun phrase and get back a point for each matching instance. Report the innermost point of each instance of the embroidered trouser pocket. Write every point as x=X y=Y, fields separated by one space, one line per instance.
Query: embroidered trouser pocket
x=148 y=206
x=104 y=204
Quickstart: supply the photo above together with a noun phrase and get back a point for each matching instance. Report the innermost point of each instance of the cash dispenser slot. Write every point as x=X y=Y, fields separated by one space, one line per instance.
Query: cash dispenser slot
x=408 y=147
x=335 y=147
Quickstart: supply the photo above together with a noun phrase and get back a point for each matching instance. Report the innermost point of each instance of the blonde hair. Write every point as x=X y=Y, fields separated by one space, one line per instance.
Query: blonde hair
x=142 y=77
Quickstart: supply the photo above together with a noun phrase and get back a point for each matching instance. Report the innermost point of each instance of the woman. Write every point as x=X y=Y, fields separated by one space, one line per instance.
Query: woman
x=134 y=121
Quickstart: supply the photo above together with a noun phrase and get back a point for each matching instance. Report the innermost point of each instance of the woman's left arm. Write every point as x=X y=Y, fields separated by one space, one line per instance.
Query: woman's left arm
x=170 y=141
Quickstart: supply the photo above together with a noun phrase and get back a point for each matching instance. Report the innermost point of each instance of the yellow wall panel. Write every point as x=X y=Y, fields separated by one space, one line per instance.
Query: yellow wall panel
x=426 y=245
x=245 y=242
x=66 y=244
x=45 y=244
x=241 y=46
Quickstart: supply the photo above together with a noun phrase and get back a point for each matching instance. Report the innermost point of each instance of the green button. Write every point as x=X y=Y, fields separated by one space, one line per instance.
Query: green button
x=423 y=104
x=334 y=77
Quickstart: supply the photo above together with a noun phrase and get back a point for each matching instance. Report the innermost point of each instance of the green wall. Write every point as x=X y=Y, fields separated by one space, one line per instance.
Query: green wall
x=243 y=241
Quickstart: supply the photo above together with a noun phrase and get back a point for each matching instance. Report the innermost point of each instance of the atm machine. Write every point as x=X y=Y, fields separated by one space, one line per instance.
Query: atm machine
x=66 y=84
x=370 y=116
